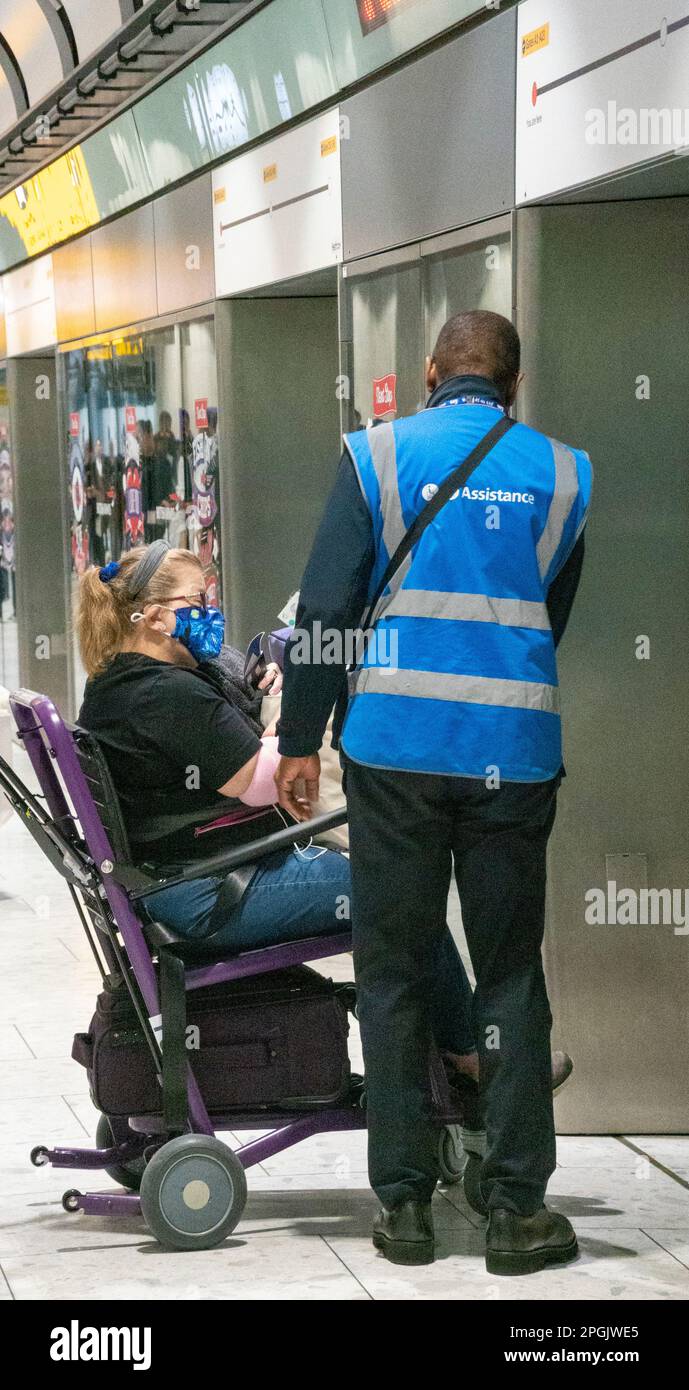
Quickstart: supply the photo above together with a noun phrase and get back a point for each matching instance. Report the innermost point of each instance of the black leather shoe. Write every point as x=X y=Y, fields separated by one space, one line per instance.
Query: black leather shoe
x=524 y=1244
x=405 y=1235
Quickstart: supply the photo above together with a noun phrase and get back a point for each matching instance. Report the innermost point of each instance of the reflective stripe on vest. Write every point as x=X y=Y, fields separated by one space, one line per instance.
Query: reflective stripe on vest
x=381 y=442
x=468 y=608
x=564 y=497
x=473 y=690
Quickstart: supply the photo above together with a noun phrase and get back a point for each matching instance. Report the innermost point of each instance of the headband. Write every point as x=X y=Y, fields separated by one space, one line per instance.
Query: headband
x=142 y=575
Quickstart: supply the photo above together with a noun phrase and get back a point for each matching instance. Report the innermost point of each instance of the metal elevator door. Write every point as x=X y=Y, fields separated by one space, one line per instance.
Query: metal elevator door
x=604 y=316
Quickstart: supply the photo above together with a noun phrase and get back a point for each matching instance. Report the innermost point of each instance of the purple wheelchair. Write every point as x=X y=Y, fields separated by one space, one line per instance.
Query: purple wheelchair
x=188 y=1185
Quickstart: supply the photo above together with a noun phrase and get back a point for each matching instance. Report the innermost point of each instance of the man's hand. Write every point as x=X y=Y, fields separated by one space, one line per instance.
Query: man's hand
x=292 y=771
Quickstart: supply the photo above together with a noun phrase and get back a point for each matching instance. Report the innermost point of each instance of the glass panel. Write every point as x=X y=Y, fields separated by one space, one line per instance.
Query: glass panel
x=387 y=344
x=266 y=72
x=142 y=454
x=116 y=171
x=365 y=34
x=199 y=454
x=9 y=655
x=478 y=276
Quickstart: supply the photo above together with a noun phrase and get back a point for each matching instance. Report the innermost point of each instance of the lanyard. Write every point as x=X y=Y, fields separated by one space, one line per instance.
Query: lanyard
x=474 y=400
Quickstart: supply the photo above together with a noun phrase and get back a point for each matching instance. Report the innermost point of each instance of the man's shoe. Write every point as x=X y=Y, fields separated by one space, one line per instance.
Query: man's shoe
x=405 y=1235
x=524 y=1244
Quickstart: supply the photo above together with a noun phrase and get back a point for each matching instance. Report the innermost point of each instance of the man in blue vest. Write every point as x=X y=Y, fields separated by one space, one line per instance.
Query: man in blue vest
x=452 y=751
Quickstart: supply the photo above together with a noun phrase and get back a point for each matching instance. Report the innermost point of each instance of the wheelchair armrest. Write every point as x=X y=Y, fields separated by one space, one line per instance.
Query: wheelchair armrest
x=140 y=885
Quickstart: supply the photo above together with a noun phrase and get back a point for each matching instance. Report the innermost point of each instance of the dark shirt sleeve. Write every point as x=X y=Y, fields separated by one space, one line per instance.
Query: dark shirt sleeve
x=197 y=728
x=562 y=591
x=333 y=594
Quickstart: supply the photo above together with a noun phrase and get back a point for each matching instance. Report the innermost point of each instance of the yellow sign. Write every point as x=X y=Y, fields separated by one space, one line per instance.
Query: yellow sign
x=538 y=38
x=219 y=195
x=328 y=146
x=270 y=173
x=52 y=205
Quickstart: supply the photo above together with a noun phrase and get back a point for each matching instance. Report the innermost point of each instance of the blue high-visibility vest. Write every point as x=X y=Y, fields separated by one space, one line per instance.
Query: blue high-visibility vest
x=460 y=676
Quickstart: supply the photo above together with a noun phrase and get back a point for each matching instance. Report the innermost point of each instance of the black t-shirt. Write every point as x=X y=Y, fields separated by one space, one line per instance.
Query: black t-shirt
x=170 y=739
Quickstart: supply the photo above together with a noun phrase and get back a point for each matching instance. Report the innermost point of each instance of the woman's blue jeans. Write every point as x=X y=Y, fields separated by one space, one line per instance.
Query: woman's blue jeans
x=302 y=893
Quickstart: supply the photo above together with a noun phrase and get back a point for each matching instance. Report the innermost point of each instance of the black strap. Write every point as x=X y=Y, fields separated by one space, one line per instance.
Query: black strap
x=456 y=479
x=230 y=894
x=173 y=1013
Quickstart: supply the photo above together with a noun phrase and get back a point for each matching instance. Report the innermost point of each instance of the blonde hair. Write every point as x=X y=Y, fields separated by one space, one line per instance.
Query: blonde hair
x=104 y=610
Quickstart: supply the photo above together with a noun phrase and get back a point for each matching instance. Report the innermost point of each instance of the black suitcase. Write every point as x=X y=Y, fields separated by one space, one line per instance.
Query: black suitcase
x=274 y=1041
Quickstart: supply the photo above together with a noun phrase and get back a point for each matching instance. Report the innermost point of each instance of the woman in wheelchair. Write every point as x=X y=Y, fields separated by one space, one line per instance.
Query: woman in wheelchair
x=183 y=752
x=182 y=755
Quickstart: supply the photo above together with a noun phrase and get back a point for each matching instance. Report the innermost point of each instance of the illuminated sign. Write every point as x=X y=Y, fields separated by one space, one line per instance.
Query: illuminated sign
x=373 y=13
x=57 y=203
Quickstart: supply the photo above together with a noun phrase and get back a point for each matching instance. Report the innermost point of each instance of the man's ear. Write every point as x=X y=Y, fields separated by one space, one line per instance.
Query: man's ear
x=431 y=374
x=514 y=388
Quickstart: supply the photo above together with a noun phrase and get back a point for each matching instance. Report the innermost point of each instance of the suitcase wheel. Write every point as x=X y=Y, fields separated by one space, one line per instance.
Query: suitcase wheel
x=127 y=1173
x=193 y=1192
x=450 y=1155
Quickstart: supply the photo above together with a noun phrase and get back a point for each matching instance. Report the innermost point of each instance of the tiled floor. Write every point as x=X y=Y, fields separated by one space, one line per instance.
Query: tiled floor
x=305 y=1233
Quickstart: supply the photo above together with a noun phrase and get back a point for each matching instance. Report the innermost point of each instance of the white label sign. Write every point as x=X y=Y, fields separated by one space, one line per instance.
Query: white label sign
x=600 y=88
x=277 y=211
x=30 y=306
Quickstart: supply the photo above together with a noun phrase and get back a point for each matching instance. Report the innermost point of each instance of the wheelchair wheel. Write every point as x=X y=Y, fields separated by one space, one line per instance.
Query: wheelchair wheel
x=450 y=1155
x=127 y=1174
x=193 y=1192
x=472 y=1184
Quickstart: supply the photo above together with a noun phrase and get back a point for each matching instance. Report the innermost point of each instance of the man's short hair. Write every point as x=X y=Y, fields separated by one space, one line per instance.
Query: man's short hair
x=479 y=343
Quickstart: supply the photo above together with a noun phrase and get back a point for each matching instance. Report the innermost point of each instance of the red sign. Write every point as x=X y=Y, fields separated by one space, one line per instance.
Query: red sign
x=130 y=419
x=385 y=395
x=201 y=413
x=74 y=423
x=373 y=13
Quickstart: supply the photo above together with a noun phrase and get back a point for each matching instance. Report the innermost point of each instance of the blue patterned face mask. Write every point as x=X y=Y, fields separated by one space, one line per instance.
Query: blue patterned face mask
x=200 y=630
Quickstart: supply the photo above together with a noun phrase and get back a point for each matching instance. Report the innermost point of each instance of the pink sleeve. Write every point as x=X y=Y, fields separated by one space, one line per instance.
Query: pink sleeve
x=262 y=790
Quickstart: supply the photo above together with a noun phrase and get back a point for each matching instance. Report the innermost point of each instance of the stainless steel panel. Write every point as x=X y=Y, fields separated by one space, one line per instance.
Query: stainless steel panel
x=124 y=270
x=602 y=305
x=277 y=369
x=183 y=229
x=38 y=500
x=431 y=147
x=73 y=278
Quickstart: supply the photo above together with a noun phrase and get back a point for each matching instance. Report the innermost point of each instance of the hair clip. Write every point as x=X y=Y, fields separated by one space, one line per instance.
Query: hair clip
x=108 y=572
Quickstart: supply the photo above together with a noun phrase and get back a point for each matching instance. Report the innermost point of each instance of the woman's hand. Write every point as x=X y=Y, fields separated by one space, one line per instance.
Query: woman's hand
x=272 y=680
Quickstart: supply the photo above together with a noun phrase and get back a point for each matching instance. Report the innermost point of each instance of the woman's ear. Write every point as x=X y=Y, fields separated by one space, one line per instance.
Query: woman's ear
x=159 y=619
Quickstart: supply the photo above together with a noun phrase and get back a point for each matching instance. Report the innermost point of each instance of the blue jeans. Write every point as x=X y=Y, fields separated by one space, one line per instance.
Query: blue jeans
x=298 y=894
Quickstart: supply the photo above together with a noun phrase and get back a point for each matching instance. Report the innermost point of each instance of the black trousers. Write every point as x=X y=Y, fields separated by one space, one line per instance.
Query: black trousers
x=405 y=830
